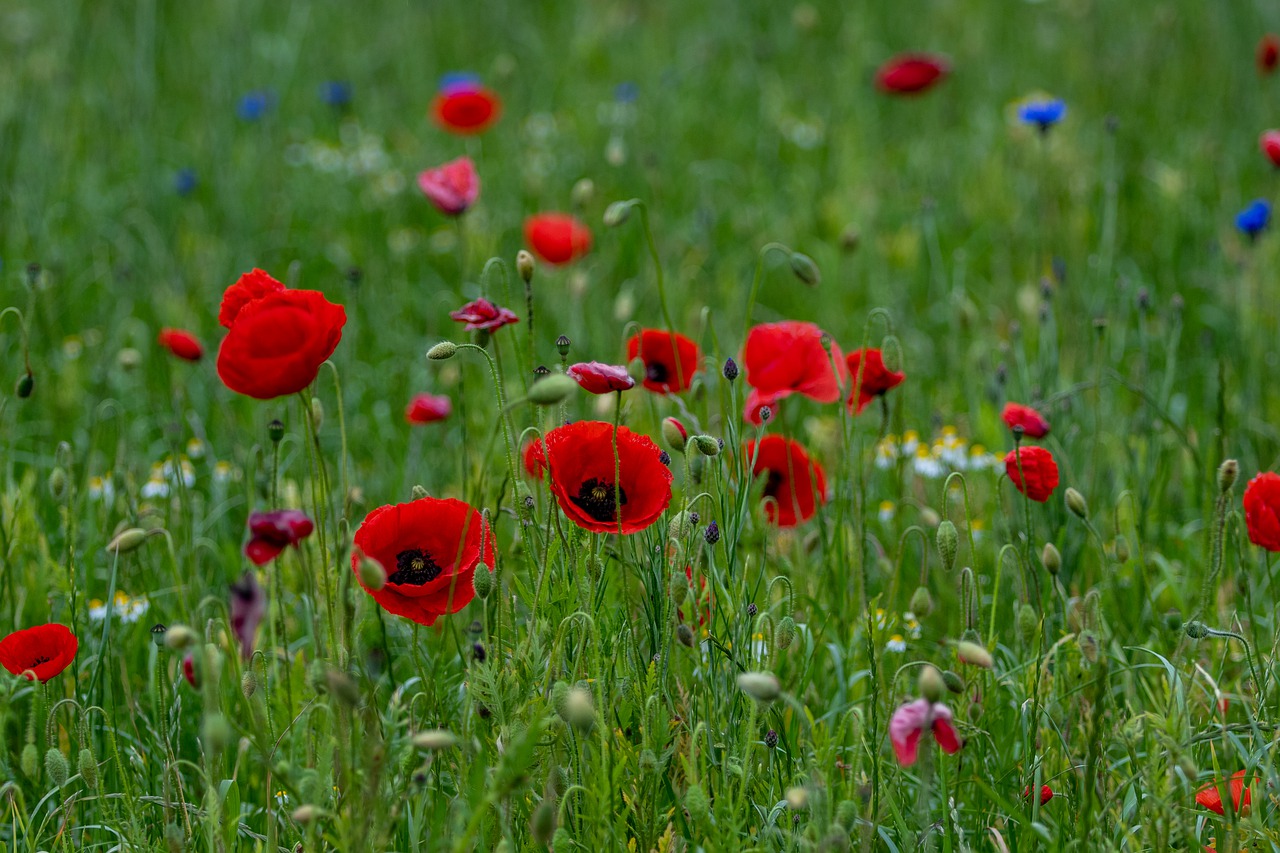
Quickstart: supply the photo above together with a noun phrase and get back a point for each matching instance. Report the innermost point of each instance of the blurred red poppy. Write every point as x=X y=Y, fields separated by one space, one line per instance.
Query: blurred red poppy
x=1262 y=510
x=248 y=608
x=1038 y=467
x=788 y=357
x=870 y=379
x=597 y=378
x=557 y=238
x=272 y=532
x=535 y=459
x=428 y=408
x=189 y=670
x=41 y=651
x=1270 y=144
x=670 y=359
x=453 y=187
x=911 y=73
x=583 y=480
x=795 y=485
x=466 y=110
x=1046 y=793
x=1032 y=422
x=1268 y=53
x=483 y=314
x=909 y=722
x=181 y=343
x=1241 y=796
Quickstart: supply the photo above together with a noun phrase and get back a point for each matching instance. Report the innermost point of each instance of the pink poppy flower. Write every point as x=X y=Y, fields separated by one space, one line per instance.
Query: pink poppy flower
x=597 y=378
x=427 y=409
x=483 y=314
x=909 y=722
x=453 y=187
x=272 y=532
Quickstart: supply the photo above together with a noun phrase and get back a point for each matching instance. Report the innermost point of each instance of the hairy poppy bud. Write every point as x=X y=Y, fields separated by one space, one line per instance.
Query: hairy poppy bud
x=1076 y=503
x=442 y=351
x=953 y=681
x=1122 y=549
x=847 y=814
x=542 y=823
x=684 y=634
x=948 y=543
x=761 y=686
x=706 y=445
x=1227 y=473
x=785 y=633
x=730 y=369
x=797 y=798
x=128 y=358
x=58 y=483
x=562 y=841
x=617 y=213
x=127 y=540
x=524 y=265
x=697 y=805
x=1027 y=623
x=551 y=389
x=372 y=574
x=179 y=637
x=583 y=191
x=1088 y=643
x=678 y=587
x=1196 y=630
x=931 y=683
x=674 y=434
x=560 y=699
x=1051 y=558
x=434 y=739
x=26 y=384
x=317 y=414
x=249 y=683
x=921 y=602
x=805 y=269
x=974 y=654
x=55 y=764
x=88 y=768
x=482 y=580
x=30 y=762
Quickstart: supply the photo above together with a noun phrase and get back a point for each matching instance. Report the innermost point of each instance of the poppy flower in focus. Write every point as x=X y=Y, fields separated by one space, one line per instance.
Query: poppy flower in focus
x=483 y=314
x=1046 y=793
x=581 y=458
x=431 y=549
x=1262 y=510
x=871 y=379
x=248 y=607
x=535 y=459
x=1032 y=422
x=911 y=73
x=909 y=722
x=597 y=378
x=453 y=187
x=272 y=532
x=427 y=409
x=1241 y=796
x=1270 y=144
x=788 y=357
x=1253 y=220
x=1038 y=467
x=181 y=343
x=250 y=287
x=464 y=106
x=1268 y=53
x=42 y=651
x=1044 y=114
x=670 y=359
x=557 y=238
x=794 y=484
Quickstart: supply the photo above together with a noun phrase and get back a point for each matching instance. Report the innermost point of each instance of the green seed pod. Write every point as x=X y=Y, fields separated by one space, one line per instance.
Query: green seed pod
x=931 y=683
x=1028 y=624
x=58 y=483
x=551 y=390
x=761 y=686
x=921 y=602
x=30 y=762
x=1051 y=559
x=953 y=681
x=442 y=351
x=482 y=580
x=1076 y=503
x=685 y=635
x=785 y=633
x=1227 y=473
x=88 y=768
x=805 y=269
x=275 y=431
x=706 y=445
x=542 y=823
x=697 y=805
x=560 y=699
x=26 y=384
x=55 y=764
x=969 y=635
x=948 y=543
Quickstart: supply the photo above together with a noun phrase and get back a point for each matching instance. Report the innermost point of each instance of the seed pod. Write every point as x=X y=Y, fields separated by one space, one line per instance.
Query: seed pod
x=442 y=351
x=551 y=389
x=761 y=686
x=88 y=768
x=931 y=683
x=785 y=632
x=1076 y=503
x=275 y=431
x=948 y=543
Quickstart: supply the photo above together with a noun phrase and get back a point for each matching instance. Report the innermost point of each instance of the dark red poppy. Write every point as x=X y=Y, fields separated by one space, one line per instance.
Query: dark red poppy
x=1241 y=795
x=557 y=238
x=466 y=110
x=453 y=187
x=670 y=359
x=248 y=608
x=869 y=380
x=1032 y=422
x=1270 y=144
x=911 y=73
x=181 y=344
x=431 y=549
x=583 y=479
x=795 y=485
x=535 y=459
x=42 y=651
x=1046 y=793
x=1038 y=467
x=272 y=532
x=1268 y=53
x=1262 y=510
x=428 y=408
x=788 y=357
x=483 y=314
x=597 y=378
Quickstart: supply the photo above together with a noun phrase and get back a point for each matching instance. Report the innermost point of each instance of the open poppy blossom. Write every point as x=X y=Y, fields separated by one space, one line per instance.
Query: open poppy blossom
x=670 y=359
x=1262 y=510
x=557 y=238
x=428 y=408
x=911 y=73
x=590 y=493
x=1039 y=469
x=909 y=722
x=795 y=485
x=535 y=459
x=871 y=379
x=1046 y=793
x=464 y=106
x=42 y=651
x=788 y=357
x=597 y=378
x=1270 y=144
x=1268 y=53
x=1032 y=422
x=1241 y=796
x=181 y=344
x=272 y=532
x=453 y=187
x=483 y=314
x=431 y=549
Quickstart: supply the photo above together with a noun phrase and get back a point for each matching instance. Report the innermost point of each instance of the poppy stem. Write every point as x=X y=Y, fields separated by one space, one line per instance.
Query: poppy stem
x=502 y=405
x=755 y=282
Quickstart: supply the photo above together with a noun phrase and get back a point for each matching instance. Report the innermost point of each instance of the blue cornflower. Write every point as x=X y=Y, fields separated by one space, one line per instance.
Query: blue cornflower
x=184 y=181
x=459 y=81
x=1254 y=218
x=626 y=92
x=1043 y=114
x=254 y=105
x=336 y=93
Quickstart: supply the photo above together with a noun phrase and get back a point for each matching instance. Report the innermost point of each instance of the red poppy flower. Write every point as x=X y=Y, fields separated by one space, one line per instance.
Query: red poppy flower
x=788 y=357
x=909 y=722
x=483 y=314
x=1032 y=422
x=1270 y=143
x=1262 y=510
x=428 y=408
x=870 y=380
x=248 y=608
x=535 y=459
x=1268 y=53
x=795 y=484
x=751 y=412
x=557 y=238
x=250 y=287
x=1211 y=798
x=466 y=110
x=597 y=378
x=272 y=532
x=1046 y=793
x=670 y=359
x=581 y=458
x=453 y=187
x=189 y=670
x=911 y=73
x=42 y=651
x=431 y=549
x=1038 y=467
x=181 y=343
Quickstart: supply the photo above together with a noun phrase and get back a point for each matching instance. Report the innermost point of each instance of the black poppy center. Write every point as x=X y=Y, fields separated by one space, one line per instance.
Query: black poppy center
x=772 y=483
x=596 y=499
x=42 y=659
x=655 y=372
x=414 y=567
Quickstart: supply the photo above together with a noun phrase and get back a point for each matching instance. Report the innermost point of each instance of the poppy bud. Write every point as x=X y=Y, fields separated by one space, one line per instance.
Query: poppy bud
x=730 y=369
x=706 y=445
x=551 y=390
x=805 y=269
x=216 y=732
x=1088 y=643
x=1076 y=503
x=847 y=814
x=442 y=351
x=482 y=580
x=761 y=686
x=678 y=587
x=373 y=575
x=249 y=683
x=418 y=492
x=1027 y=623
x=921 y=602
x=1227 y=473
x=1196 y=630
x=524 y=265
x=953 y=681
x=58 y=483
x=931 y=683
x=684 y=634
x=974 y=654
x=785 y=633
x=1051 y=558
x=55 y=764
x=30 y=761
x=26 y=384
x=697 y=805
x=1122 y=548
x=179 y=637
x=434 y=739
x=617 y=213
x=560 y=699
x=579 y=711
x=636 y=369
x=317 y=413
x=127 y=540
x=948 y=543
x=674 y=434
x=542 y=823
x=88 y=768
x=582 y=193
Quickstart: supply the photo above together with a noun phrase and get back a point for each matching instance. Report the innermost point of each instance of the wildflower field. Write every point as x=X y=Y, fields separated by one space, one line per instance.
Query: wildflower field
x=644 y=426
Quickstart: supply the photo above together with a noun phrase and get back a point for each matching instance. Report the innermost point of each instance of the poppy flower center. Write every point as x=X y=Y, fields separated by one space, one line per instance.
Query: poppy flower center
x=596 y=498
x=42 y=659
x=414 y=567
x=773 y=483
x=655 y=372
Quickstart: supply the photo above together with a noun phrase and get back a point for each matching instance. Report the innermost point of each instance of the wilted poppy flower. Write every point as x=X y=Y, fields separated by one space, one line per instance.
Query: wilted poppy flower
x=430 y=548
x=1038 y=467
x=271 y=532
x=535 y=459
x=670 y=359
x=583 y=479
x=597 y=378
x=795 y=485
x=1046 y=793
x=248 y=607
x=909 y=722
x=557 y=238
x=453 y=187
x=788 y=357
x=1044 y=114
x=483 y=314
x=181 y=343
x=1253 y=219
x=42 y=651
x=427 y=409
x=1032 y=422
x=1241 y=796
x=1270 y=144
x=1268 y=53
x=1262 y=510
x=911 y=73
x=871 y=379
x=464 y=106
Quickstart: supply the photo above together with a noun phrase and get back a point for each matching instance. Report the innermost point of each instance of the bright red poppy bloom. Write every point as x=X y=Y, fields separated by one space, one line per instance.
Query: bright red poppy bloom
x=1270 y=144
x=1046 y=793
x=597 y=378
x=909 y=722
x=1262 y=510
x=670 y=359
x=466 y=110
x=181 y=343
x=42 y=651
x=1268 y=53
x=557 y=238
x=483 y=314
x=453 y=187
x=1038 y=467
x=911 y=73
x=431 y=549
x=250 y=287
x=871 y=379
x=795 y=484
x=272 y=532
x=535 y=459
x=581 y=458
x=1241 y=796
x=1032 y=422
x=788 y=357
x=428 y=408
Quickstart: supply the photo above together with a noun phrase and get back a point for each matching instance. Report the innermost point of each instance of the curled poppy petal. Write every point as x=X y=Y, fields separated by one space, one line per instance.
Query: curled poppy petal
x=790 y=357
x=603 y=493
x=181 y=343
x=1039 y=469
x=428 y=408
x=670 y=359
x=597 y=378
x=908 y=723
x=481 y=314
x=557 y=238
x=452 y=187
x=41 y=651
x=1046 y=793
x=1241 y=796
x=795 y=485
x=1032 y=422
x=250 y=287
x=535 y=459
x=911 y=73
x=870 y=379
